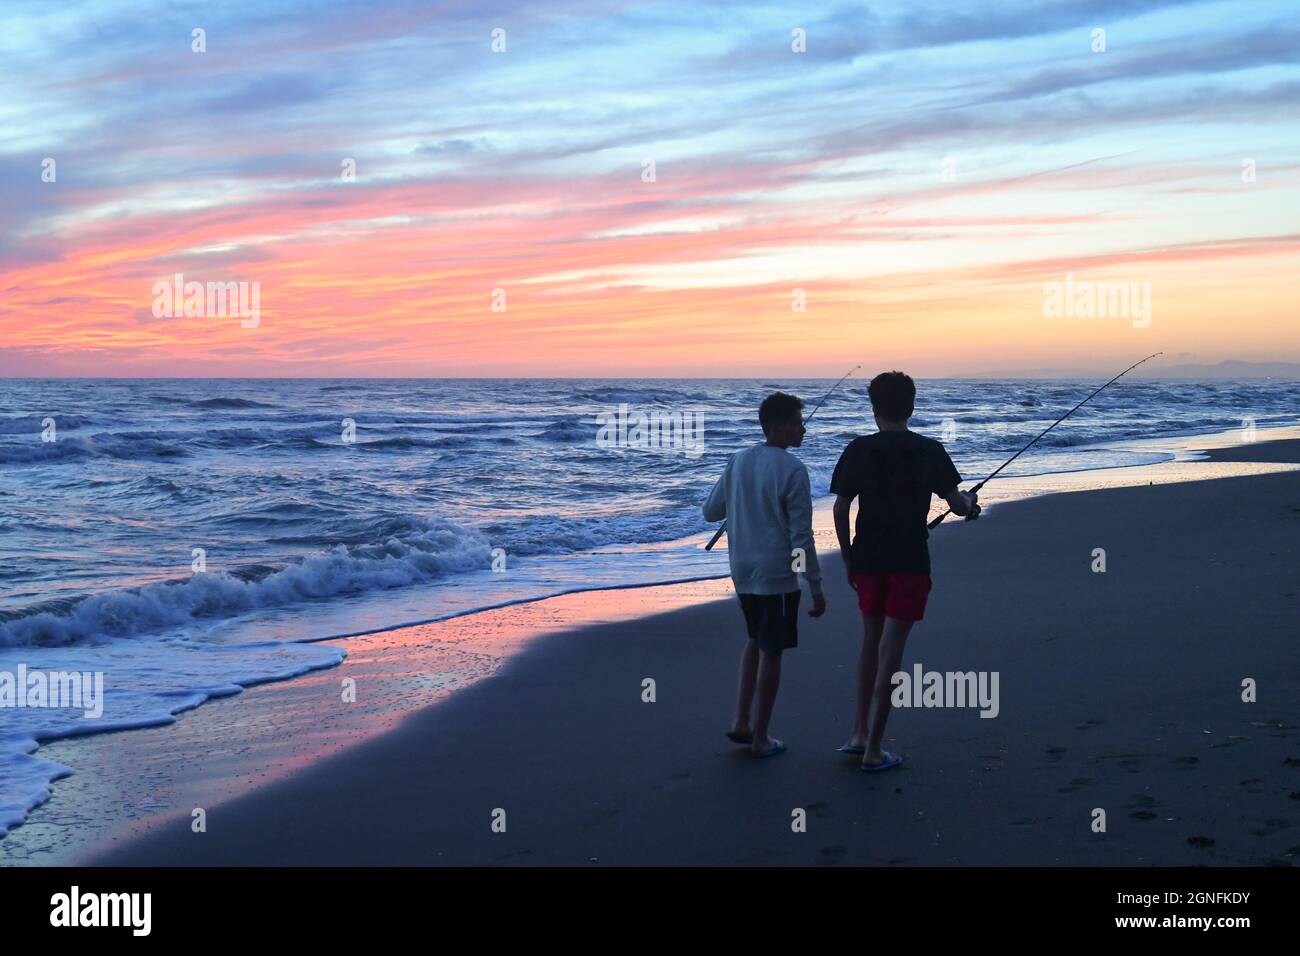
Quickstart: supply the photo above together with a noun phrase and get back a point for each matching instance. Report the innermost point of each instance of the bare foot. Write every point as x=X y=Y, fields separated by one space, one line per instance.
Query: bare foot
x=768 y=747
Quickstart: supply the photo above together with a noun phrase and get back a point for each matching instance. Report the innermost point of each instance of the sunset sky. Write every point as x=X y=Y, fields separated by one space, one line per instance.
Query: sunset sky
x=921 y=171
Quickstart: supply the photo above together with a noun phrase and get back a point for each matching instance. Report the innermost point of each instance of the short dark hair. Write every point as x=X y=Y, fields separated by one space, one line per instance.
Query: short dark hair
x=777 y=408
x=893 y=396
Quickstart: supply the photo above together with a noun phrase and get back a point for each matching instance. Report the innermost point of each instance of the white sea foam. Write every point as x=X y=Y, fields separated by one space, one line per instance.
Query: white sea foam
x=146 y=683
x=438 y=550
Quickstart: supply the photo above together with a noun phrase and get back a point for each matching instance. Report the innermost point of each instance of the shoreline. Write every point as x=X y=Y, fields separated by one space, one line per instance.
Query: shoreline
x=587 y=609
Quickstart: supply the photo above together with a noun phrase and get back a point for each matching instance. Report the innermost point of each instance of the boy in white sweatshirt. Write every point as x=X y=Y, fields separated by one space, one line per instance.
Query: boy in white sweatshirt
x=764 y=494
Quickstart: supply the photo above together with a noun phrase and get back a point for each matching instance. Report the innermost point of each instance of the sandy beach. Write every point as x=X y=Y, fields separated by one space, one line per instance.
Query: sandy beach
x=1119 y=690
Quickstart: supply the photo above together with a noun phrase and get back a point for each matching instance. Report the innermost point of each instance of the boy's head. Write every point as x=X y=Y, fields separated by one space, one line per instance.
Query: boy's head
x=781 y=416
x=893 y=397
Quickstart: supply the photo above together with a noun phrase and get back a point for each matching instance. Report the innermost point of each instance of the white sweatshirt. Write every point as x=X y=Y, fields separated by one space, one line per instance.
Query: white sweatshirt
x=765 y=496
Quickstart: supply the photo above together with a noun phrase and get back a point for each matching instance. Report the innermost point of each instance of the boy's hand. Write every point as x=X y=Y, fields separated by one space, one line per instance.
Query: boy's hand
x=819 y=605
x=853 y=581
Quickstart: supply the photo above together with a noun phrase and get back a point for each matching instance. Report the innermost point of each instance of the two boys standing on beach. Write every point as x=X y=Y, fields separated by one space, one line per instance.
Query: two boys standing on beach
x=764 y=495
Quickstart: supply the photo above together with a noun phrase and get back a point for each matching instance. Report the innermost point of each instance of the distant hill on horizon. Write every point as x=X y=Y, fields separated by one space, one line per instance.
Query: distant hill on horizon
x=1228 y=369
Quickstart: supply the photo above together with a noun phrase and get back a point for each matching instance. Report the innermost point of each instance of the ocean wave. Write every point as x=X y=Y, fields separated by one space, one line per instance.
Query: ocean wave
x=316 y=440
x=106 y=445
x=1066 y=440
x=436 y=549
x=35 y=424
x=345 y=528
x=568 y=429
x=229 y=403
x=407 y=442
x=1009 y=418
x=631 y=395
x=277 y=512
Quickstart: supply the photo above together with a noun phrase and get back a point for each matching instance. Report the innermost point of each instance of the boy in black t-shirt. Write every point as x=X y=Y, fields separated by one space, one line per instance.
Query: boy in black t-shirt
x=892 y=475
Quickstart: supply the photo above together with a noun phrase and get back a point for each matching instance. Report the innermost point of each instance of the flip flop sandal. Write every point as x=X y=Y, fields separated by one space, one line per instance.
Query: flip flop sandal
x=891 y=760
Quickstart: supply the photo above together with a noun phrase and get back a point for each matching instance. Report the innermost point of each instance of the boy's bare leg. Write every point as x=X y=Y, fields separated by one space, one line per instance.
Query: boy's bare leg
x=892 y=642
x=872 y=627
x=740 y=727
x=769 y=680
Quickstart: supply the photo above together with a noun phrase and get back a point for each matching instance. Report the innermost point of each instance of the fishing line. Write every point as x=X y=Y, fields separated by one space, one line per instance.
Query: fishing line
x=937 y=521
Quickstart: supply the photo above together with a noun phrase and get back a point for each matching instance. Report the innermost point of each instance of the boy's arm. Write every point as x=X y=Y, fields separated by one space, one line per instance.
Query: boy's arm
x=842 y=505
x=961 y=502
x=715 y=506
x=945 y=481
x=846 y=481
x=798 y=509
x=946 y=476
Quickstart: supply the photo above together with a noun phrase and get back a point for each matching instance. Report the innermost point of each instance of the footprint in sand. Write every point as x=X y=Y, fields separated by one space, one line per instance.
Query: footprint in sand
x=1142 y=802
x=818 y=810
x=1201 y=841
x=1270 y=827
x=1187 y=763
x=514 y=855
x=603 y=815
x=1143 y=815
x=675 y=782
x=1055 y=753
x=1274 y=724
x=832 y=854
x=1074 y=785
x=1130 y=762
x=1089 y=724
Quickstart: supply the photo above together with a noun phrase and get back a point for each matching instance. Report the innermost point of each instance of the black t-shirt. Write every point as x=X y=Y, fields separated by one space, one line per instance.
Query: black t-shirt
x=893 y=474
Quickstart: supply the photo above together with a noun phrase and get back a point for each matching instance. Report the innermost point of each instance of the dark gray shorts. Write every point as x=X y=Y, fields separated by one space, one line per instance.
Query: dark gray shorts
x=772 y=620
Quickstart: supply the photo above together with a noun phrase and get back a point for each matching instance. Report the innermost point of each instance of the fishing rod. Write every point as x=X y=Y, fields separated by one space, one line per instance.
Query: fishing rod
x=723 y=527
x=937 y=521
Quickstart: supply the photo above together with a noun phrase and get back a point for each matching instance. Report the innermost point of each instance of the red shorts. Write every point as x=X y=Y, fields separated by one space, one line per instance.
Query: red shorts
x=900 y=596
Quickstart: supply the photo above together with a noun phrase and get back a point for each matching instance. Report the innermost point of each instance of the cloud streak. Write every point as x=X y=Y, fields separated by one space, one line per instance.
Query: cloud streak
x=921 y=164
